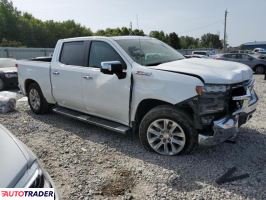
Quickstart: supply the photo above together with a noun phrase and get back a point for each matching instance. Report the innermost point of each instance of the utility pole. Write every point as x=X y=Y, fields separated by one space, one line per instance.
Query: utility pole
x=225 y=21
x=137 y=18
x=130 y=28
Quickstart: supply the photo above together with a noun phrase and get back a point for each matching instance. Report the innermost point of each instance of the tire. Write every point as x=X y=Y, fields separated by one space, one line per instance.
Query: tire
x=182 y=131
x=260 y=69
x=2 y=85
x=36 y=100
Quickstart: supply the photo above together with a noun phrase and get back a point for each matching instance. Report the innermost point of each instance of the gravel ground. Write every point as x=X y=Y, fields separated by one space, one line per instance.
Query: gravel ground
x=87 y=162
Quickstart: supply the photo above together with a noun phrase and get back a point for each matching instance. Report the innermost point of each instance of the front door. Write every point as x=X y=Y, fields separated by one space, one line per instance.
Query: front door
x=105 y=95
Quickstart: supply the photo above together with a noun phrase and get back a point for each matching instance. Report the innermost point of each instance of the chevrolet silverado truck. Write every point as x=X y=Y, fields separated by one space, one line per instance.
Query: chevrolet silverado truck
x=140 y=85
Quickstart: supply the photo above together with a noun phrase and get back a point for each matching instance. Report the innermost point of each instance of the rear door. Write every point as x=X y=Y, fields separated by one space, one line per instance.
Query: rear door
x=105 y=95
x=66 y=75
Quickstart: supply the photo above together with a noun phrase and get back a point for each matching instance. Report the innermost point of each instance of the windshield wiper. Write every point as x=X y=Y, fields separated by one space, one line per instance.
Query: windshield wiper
x=159 y=63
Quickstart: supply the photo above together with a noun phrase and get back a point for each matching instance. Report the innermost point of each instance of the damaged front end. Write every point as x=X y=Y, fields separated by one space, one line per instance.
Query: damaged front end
x=221 y=110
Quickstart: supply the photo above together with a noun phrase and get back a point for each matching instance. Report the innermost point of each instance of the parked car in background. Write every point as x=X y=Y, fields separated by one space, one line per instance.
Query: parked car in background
x=196 y=56
x=19 y=167
x=259 y=50
x=203 y=53
x=8 y=73
x=255 y=61
x=141 y=85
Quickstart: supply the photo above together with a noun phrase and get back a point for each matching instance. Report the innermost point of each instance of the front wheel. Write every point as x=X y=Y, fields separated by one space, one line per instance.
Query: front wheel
x=167 y=131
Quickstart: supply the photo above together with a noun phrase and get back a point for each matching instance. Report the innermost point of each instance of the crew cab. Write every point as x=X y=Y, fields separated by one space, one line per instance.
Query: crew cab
x=134 y=84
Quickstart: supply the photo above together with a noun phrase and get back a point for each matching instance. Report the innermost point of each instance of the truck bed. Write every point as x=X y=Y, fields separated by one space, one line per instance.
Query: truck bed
x=38 y=71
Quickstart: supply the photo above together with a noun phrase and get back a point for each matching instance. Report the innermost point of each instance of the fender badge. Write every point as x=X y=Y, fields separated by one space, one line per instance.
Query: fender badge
x=142 y=73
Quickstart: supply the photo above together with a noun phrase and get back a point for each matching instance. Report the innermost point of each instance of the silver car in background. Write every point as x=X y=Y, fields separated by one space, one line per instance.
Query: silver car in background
x=257 y=62
x=19 y=167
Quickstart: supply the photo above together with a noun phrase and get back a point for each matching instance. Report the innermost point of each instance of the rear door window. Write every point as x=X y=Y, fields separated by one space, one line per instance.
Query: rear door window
x=73 y=53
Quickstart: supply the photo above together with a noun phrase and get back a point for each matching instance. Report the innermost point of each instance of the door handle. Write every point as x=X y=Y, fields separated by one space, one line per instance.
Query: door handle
x=88 y=77
x=56 y=73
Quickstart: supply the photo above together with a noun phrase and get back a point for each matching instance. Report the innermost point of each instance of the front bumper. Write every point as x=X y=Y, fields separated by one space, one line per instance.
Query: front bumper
x=37 y=177
x=227 y=128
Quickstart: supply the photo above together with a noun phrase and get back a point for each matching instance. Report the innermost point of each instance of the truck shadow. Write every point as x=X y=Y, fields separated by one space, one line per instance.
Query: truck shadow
x=193 y=172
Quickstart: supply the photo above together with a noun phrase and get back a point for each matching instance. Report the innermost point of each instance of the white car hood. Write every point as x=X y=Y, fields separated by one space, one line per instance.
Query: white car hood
x=8 y=69
x=210 y=70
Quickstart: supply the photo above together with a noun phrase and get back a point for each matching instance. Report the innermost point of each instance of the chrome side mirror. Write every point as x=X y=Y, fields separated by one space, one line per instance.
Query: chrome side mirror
x=113 y=67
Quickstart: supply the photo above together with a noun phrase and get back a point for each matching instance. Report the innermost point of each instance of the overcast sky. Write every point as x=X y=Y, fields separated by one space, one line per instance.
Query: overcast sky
x=246 y=18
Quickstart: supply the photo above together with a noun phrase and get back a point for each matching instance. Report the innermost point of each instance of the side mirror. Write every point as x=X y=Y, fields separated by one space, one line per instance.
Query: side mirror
x=113 y=67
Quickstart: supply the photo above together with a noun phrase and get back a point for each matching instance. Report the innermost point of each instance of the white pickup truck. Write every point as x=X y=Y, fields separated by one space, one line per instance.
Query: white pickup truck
x=134 y=84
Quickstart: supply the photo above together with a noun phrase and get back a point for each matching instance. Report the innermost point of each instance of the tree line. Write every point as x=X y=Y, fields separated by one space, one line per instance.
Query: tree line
x=19 y=29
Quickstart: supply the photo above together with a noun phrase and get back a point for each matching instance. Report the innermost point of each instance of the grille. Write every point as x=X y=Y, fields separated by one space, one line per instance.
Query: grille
x=37 y=180
x=238 y=89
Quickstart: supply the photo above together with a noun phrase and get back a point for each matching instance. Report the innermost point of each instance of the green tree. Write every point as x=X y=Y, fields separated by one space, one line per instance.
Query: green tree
x=173 y=40
x=160 y=35
x=211 y=41
x=32 y=32
x=187 y=42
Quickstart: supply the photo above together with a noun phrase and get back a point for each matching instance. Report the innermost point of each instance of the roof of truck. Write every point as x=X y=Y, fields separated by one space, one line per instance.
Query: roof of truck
x=104 y=37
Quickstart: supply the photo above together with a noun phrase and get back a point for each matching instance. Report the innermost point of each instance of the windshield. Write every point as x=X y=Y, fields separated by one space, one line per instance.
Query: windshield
x=148 y=51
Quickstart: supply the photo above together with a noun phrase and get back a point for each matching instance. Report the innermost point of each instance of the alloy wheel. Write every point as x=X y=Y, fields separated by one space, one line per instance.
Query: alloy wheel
x=166 y=137
x=35 y=99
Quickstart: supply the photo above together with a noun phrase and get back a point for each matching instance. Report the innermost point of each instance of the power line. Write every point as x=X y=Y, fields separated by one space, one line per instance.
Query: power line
x=202 y=27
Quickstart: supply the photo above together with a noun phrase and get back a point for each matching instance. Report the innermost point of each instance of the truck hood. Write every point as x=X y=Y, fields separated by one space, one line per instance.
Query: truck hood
x=15 y=159
x=210 y=70
x=8 y=69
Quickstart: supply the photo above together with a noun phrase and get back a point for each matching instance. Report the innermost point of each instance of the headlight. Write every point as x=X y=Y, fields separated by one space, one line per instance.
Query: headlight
x=209 y=88
x=215 y=88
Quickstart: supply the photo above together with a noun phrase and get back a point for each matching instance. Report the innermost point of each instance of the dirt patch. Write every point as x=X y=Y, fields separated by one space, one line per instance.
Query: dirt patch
x=123 y=181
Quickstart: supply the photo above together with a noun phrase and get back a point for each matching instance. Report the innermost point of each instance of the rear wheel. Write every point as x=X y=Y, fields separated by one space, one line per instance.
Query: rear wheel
x=167 y=131
x=1 y=84
x=37 y=102
x=260 y=69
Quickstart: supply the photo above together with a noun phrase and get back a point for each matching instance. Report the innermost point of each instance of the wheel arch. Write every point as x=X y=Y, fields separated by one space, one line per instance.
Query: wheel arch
x=147 y=104
x=27 y=84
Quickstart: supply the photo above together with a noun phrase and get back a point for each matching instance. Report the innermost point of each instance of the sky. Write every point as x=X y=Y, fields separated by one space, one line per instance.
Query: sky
x=245 y=22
